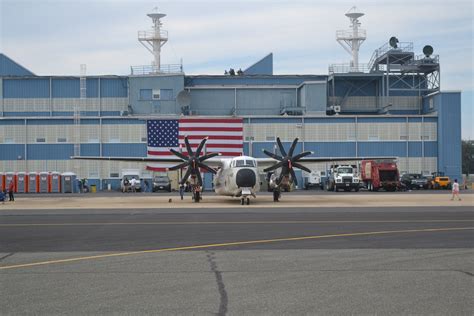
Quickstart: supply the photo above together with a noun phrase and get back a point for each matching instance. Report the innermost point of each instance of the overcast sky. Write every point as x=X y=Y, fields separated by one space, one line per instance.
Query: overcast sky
x=52 y=37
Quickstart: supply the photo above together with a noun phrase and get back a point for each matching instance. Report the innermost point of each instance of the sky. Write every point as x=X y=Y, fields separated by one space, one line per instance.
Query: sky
x=53 y=37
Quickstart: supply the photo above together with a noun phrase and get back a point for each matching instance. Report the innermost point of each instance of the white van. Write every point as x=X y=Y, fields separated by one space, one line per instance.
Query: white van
x=126 y=180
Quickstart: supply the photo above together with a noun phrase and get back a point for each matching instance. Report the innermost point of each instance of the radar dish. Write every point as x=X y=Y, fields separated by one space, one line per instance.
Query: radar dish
x=428 y=50
x=183 y=98
x=393 y=41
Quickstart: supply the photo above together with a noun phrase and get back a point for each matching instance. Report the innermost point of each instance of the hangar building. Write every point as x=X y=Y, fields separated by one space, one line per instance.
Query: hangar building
x=392 y=106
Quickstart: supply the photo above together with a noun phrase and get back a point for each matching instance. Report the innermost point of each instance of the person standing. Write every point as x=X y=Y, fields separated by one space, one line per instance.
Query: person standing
x=146 y=186
x=133 y=182
x=11 y=188
x=181 y=191
x=455 y=190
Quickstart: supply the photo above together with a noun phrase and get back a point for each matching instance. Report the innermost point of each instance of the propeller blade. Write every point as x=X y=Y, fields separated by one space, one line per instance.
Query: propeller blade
x=300 y=166
x=301 y=155
x=274 y=156
x=188 y=146
x=180 y=166
x=180 y=155
x=275 y=166
x=293 y=146
x=205 y=157
x=186 y=176
x=203 y=166
x=280 y=145
x=200 y=147
x=293 y=176
x=198 y=175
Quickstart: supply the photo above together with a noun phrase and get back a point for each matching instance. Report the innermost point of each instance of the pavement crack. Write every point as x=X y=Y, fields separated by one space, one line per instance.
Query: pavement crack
x=223 y=302
x=6 y=256
x=466 y=272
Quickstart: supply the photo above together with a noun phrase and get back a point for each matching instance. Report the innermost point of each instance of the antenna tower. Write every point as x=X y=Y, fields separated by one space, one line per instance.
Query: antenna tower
x=153 y=40
x=351 y=40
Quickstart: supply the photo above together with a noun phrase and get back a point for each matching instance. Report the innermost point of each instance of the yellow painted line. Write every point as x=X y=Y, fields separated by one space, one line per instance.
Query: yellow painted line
x=237 y=222
x=236 y=243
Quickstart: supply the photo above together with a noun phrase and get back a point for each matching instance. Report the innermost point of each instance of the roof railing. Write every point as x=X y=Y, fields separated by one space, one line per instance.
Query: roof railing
x=152 y=69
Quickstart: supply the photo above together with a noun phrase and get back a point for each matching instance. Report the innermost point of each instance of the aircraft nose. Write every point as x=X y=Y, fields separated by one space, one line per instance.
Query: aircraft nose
x=245 y=178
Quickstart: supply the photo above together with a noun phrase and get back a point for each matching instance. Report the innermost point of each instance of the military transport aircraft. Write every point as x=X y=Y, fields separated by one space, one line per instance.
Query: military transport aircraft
x=237 y=176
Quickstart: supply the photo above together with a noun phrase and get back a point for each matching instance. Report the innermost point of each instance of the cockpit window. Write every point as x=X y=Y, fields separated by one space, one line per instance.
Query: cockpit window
x=245 y=163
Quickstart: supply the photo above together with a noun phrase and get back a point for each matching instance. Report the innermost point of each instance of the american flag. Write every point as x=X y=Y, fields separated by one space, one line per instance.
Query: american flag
x=225 y=137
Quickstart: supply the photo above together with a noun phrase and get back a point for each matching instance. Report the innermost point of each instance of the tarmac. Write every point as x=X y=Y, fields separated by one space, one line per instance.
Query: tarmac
x=312 y=253
x=306 y=199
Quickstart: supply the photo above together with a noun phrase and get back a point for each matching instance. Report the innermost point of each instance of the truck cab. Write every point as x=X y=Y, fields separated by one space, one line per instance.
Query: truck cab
x=342 y=177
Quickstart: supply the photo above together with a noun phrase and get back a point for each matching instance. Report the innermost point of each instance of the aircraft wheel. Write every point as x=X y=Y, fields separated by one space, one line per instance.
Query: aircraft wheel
x=248 y=201
x=242 y=201
x=197 y=197
x=276 y=195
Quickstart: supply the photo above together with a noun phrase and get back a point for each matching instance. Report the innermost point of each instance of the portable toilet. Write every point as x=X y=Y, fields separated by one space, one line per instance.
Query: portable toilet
x=55 y=182
x=22 y=182
x=9 y=177
x=43 y=180
x=68 y=182
x=33 y=184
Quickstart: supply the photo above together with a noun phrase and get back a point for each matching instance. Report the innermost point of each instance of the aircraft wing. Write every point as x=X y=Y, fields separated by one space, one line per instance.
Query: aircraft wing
x=212 y=162
x=267 y=162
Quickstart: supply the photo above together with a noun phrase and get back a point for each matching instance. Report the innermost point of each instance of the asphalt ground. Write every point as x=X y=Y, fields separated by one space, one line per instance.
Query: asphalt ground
x=290 y=260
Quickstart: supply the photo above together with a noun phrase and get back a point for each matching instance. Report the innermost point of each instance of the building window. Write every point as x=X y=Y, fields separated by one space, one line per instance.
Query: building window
x=9 y=140
x=270 y=138
x=249 y=138
x=114 y=175
x=144 y=139
x=403 y=137
x=374 y=138
x=114 y=140
x=145 y=94
x=62 y=140
x=41 y=140
x=166 y=94
x=93 y=140
x=156 y=94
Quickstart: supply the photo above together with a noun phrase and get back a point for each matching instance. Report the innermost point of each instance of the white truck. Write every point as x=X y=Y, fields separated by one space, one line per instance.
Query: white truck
x=313 y=179
x=126 y=176
x=343 y=177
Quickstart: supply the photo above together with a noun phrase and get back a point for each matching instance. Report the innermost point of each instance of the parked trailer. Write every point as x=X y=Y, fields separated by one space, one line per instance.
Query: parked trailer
x=380 y=174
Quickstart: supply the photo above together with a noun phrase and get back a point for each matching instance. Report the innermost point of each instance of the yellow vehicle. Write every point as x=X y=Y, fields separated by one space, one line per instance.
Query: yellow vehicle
x=440 y=181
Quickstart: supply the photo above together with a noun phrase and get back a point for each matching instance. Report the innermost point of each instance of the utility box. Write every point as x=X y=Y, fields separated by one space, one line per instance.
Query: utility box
x=55 y=182
x=68 y=181
x=33 y=185
x=22 y=183
x=43 y=182
x=9 y=177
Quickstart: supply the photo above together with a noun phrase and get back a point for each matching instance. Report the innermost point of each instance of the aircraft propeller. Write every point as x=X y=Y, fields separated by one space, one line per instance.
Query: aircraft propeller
x=193 y=161
x=287 y=162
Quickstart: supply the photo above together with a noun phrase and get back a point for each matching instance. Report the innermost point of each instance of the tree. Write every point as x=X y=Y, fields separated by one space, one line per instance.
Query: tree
x=467 y=157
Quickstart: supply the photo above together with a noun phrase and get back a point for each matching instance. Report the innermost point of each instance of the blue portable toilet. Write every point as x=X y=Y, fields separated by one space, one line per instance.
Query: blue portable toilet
x=68 y=182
